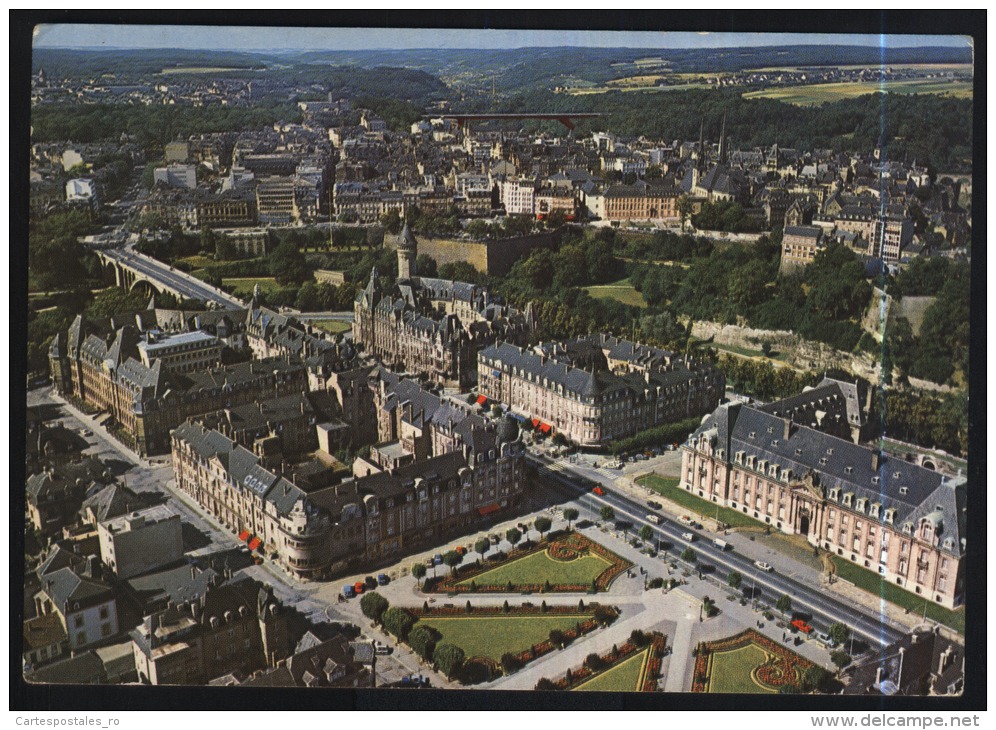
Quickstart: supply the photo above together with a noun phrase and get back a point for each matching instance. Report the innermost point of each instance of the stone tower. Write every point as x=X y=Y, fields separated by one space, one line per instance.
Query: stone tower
x=407 y=251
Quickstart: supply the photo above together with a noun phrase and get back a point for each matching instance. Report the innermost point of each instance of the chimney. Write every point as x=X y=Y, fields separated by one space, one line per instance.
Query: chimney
x=787 y=431
x=878 y=675
x=875 y=461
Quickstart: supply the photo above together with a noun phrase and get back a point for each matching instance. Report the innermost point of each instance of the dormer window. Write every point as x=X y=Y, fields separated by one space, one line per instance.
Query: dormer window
x=739 y=458
x=875 y=480
x=823 y=461
x=775 y=442
x=798 y=452
x=890 y=515
x=751 y=435
x=829 y=452
x=861 y=504
x=835 y=494
x=895 y=475
x=908 y=527
x=848 y=469
x=948 y=543
x=848 y=496
x=904 y=490
x=771 y=429
x=773 y=470
x=875 y=507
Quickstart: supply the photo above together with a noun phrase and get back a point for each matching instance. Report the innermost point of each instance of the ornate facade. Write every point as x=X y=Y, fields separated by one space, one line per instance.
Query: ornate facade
x=433 y=327
x=902 y=521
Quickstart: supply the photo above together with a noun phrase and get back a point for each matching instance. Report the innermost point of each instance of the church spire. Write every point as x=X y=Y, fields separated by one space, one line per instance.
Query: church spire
x=722 y=142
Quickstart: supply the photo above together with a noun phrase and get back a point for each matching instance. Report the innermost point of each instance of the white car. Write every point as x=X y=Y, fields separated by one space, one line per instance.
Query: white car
x=761 y=565
x=688 y=536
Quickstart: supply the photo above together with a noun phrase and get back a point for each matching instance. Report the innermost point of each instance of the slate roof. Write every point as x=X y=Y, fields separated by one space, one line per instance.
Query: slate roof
x=913 y=491
x=66 y=587
x=85 y=668
x=112 y=501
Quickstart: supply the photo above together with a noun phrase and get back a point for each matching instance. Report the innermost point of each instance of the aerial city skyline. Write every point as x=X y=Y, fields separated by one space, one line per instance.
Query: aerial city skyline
x=499 y=359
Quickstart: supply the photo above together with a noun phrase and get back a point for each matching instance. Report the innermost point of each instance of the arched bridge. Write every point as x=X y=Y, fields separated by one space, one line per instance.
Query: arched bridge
x=134 y=271
x=565 y=118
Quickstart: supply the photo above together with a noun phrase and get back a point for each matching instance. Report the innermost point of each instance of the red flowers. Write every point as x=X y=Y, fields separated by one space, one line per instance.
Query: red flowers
x=610 y=660
x=784 y=667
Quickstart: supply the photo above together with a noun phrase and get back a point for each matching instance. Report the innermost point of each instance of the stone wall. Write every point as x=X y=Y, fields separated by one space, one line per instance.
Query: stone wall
x=489 y=257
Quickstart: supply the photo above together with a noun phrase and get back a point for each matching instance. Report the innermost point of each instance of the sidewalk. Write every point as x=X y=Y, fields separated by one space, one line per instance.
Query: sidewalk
x=91 y=423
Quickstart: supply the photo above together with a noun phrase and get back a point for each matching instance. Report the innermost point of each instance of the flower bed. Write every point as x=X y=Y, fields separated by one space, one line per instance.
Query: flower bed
x=782 y=666
x=648 y=682
x=562 y=549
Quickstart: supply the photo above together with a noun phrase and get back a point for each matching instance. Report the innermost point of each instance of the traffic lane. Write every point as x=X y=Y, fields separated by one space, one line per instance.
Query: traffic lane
x=868 y=628
x=172 y=279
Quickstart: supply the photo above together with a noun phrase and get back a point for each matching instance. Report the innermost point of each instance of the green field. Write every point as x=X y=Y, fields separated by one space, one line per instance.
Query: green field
x=492 y=636
x=621 y=291
x=820 y=93
x=197 y=262
x=624 y=677
x=668 y=488
x=873 y=583
x=539 y=567
x=244 y=287
x=731 y=671
x=199 y=70
x=334 y=326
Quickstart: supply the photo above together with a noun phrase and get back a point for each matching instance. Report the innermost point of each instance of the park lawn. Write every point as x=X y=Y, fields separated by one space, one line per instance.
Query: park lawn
x=811 y=94
x=668 y=488
x=245 y=286
x=334 y=326
x=493 y=636
x=539 y=567
x=197 y=262
x=873 y=583
x=626 y=676
x=621 y=291
x=730 y=671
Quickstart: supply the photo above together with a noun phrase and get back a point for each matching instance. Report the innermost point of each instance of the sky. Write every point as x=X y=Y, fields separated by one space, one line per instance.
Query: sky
x=258 y=39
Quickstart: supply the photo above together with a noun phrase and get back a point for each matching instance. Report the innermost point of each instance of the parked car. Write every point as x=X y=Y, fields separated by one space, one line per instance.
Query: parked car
x=802 y=626
x=761 y=565
x=824 y=638
x=686 y=520
x=437 y=559
x=348 y=591
x=461 y=550
x=599 y=491
x=369 y=583
x=653 y=505
x=382 y=649
x=358 y=586
x=688 y=536
x=382 y=579
x=656 y=519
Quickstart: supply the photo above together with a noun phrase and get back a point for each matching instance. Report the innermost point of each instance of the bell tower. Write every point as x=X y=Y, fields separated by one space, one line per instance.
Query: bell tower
x=407 y=252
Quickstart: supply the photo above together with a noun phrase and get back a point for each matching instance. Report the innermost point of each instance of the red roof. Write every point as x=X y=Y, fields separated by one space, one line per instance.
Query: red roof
x=484 y=511
x=244 y=535
x=255 y=543
x=482 y=399
x=536 y=423
x=545 y=427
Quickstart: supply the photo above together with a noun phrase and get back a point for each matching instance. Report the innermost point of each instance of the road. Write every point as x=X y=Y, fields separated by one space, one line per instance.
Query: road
x=166 y=277
x=806 y=595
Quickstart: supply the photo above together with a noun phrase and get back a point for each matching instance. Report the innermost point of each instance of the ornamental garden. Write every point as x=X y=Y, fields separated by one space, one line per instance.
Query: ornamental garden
x=633 y=667
x=749 y=663
x=566 y=563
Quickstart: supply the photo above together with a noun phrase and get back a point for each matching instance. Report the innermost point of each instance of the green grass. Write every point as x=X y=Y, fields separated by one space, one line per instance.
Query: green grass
x=621 y=291
x=197 y=262
x=730 y=672
x=624 y=677
x=244 y=287
x=335 y=326
x=668 y=488
x=539 y=567
x=493 y=636
x=873 y=583
x=819 y=93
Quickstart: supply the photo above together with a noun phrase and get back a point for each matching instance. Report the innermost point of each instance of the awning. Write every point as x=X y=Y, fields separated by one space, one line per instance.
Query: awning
x=481 y=400
x=518 y=417
x=244 y=535
x=545 y=427
x=485 y=511
x=255 y=543
x=536 y=423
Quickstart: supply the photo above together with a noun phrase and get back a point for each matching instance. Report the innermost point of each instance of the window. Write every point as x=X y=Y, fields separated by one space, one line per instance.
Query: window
x=78 y=621
x=105 y=629
x=81 y=638
x=104 y=613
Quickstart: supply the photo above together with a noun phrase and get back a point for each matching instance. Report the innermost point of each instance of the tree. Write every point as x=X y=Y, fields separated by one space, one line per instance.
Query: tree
x=426 y=265
x=542 y=525
x=453 y=560
x=646 y=533
x=482 y=546
x=638 y=638
x=558 y=638
x=398 y=622
x=784 y=604
x=510 y=663
x=448 y=658
x=816 y=678
x=688 y=555
x=839 y=633
x=607 y=513
x=841 y=659
x=594 y=662
x=734 y=579
x=374 y=605
x=545 y=685
x=604 y=615
x=418 y=572
x=422 y=639
x=570 y=514
x=288 y=265
x=684 y=206
x=513 y=536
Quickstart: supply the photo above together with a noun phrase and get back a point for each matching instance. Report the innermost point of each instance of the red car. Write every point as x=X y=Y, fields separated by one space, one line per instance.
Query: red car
x=461 y=550
x=802 y=626
x=358 y=586
x=599 y=491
